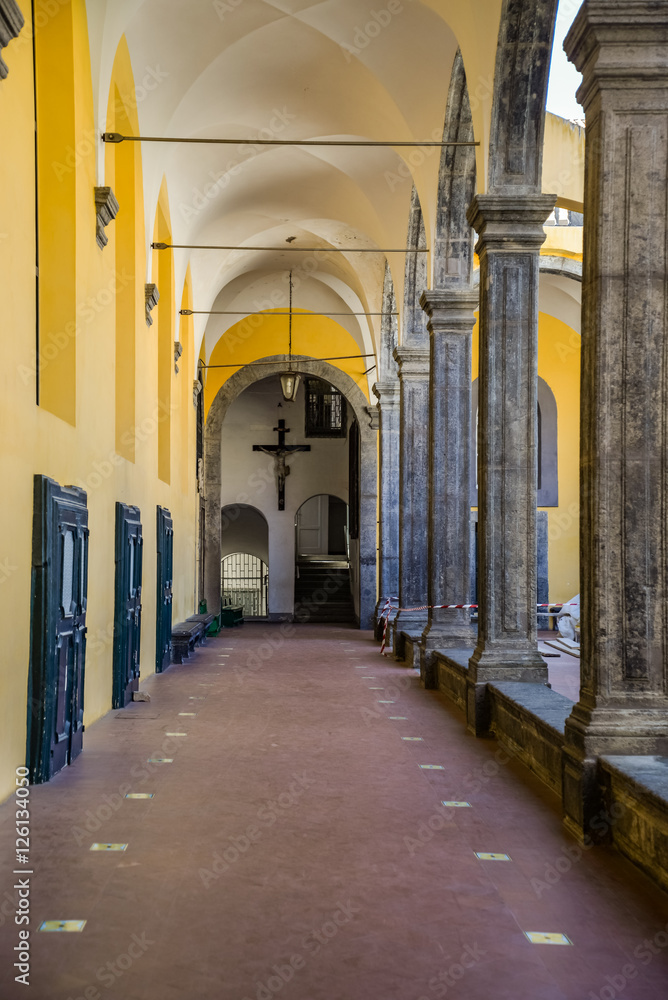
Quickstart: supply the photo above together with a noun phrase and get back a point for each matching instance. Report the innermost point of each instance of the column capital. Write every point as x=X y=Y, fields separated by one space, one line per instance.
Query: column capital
x=450 y=309
x=374 y=416
x=11 y=22
x=387 y=392
x=619 y=44
x=412 y=361
x=510 y=221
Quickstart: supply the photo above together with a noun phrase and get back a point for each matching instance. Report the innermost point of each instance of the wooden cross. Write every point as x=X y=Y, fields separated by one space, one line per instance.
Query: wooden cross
x=278 y=452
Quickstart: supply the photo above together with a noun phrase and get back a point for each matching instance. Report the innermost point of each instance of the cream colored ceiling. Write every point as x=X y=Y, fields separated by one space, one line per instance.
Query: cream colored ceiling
x=285 y=68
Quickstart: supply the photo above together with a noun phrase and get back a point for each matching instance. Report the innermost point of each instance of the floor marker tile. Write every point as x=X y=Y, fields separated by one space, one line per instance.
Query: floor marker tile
x=413 y=739
x=62 y=925
x=457 y=805
x=160 y=760
x=196 y=697
x=108 y=847
x=546 y=937
x=432 y=767
x=376 y=689
x=402 y=718
x=176 y=734
x=486 y=856
x=386 y=703
x=139 y=795
x=188 y=713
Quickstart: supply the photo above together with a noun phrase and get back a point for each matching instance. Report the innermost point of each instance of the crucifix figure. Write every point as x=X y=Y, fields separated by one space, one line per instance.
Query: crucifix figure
x=278 y=452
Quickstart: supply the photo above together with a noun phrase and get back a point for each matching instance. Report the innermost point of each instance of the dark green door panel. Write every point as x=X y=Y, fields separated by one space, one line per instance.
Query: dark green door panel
x=165 y=549
x=58 y=627
x=127 y=614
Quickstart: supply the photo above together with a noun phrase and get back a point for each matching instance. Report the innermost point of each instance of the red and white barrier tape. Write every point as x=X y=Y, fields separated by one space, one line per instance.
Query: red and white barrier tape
x=389 y=607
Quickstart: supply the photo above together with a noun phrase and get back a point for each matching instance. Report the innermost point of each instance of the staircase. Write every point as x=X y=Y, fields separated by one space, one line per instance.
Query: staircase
x=322 y=591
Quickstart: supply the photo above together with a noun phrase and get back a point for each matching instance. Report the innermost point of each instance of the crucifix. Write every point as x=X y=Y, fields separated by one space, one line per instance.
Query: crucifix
x=279 y=451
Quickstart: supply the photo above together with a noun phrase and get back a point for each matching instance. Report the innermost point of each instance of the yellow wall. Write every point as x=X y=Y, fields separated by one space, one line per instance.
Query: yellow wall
x=73 y=439
x=563 y=162
x=267 y=335
x=559 y=366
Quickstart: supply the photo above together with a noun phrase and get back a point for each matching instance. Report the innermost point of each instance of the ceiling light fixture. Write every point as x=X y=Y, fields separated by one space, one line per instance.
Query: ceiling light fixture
x=289 y=379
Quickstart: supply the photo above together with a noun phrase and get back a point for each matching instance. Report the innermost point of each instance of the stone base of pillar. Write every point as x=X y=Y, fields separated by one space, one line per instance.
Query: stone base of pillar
x=454 y=630
x=411 y=622
x=595 y=732
x=522 y=664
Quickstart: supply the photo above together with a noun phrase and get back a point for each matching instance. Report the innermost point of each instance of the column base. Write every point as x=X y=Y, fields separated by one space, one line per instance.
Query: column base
x=520 y=662
x=413 y=623
x=591 y=733
x=442 y=636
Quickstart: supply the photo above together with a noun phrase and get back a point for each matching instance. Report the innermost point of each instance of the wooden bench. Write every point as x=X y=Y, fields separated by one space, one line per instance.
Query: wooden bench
x=209 y=620
x=231 y=614
x=185 y=636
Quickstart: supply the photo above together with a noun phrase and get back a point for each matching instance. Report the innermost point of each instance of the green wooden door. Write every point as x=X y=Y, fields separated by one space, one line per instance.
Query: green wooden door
x=58 y=627
x=165 y=549
x=127 y=614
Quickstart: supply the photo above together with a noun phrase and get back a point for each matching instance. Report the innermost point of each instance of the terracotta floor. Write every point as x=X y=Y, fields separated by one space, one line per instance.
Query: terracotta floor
x=296 y=847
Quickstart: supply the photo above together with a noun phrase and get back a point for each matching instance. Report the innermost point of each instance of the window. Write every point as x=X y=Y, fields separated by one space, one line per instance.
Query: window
x=325 y=410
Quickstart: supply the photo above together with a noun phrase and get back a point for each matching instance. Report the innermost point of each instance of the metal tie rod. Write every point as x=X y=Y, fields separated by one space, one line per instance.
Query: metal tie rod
x=276 y=312
x=197 y=246
x=118 y=137
x=296 y=360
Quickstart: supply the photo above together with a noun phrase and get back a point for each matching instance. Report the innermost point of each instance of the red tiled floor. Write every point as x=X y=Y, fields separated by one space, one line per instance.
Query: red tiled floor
x=351 y=871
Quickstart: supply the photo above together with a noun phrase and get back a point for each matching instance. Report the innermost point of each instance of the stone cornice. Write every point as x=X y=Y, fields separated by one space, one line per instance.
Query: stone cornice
x=387 y=392
x=374 y=416
x=106 y=208
x=11 y=22
x=510 y=221
x=619 y=44
x=412 y=361
x=152 y=297
x=450 y=309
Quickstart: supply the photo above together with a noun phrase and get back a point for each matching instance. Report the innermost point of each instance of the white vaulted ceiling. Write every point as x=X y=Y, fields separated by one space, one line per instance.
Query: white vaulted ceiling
x=292 y=69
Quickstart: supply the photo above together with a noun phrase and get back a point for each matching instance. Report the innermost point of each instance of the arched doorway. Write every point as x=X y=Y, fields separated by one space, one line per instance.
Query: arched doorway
x=244 y=563
x=241 y=403
x=322 y=561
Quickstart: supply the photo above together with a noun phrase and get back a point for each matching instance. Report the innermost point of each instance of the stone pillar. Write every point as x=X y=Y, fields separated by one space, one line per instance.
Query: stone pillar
x=620 y=48
x=388 y=506
x=450 y=324
x=510 y=234
x=413 y=484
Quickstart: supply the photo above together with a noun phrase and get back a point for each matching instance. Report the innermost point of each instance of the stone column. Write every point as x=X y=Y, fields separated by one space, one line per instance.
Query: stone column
x=450 y=324
x=620 y=48
x=388 y=506
x=510 y=234
x=413 y=485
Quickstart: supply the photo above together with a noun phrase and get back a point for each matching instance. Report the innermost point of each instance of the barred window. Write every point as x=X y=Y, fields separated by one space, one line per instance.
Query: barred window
x=325 y=410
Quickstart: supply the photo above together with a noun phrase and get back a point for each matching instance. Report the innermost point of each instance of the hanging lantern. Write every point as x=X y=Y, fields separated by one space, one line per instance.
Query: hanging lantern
x=290 y=379
x=289 y=385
